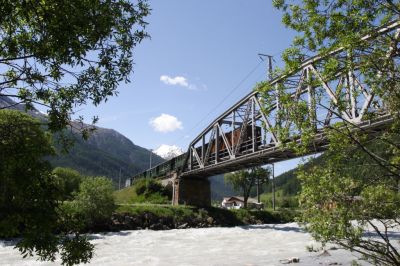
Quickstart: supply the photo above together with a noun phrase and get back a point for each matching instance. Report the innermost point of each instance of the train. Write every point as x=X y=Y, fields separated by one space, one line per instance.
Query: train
x=164 y=168
x=178 y=163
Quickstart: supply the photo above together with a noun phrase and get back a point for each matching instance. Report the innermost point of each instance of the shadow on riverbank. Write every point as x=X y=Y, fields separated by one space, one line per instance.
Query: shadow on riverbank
x=155 y=217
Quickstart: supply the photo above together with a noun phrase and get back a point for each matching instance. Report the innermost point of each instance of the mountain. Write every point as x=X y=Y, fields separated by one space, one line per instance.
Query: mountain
x=168 y=152
x=288 y=181
x=106 y=152
x=8 y=103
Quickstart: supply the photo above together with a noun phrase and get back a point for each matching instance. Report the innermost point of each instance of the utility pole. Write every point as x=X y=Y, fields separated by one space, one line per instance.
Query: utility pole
x=147 y=183
x=258 y=189
x=273 y=187
x=151 y=152
x=270 y=59
x=119 y=179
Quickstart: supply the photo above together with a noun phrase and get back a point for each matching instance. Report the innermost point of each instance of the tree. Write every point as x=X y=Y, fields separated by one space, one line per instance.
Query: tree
x=95 y=200
x=28 y=193
x=359 y=180
x=68 y=182
x=244 y=180
x=349 y=194
x=58 y=54
x=62 y=54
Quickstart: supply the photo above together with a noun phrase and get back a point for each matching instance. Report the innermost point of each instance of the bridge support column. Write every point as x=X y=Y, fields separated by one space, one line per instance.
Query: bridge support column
x=191 y=191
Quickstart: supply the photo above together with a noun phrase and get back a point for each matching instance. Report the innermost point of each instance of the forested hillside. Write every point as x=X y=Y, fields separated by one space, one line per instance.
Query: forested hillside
x=220 y=189
x=106 y=153
x=288 y=182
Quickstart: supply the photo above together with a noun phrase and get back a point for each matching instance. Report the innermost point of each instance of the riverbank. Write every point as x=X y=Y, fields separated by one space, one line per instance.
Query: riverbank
x=161 y=217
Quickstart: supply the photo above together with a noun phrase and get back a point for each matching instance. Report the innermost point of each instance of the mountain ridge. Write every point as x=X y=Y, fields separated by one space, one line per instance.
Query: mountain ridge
x=106 y=153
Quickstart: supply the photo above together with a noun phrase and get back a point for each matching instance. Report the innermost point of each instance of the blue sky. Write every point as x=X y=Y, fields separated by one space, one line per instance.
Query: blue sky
x=198 y=55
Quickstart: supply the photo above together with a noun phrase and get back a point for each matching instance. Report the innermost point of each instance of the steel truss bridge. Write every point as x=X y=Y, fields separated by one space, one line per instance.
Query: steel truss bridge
x=247 y=134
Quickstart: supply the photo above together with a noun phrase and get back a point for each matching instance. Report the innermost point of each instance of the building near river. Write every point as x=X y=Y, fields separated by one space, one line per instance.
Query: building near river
x=237 y=202
x=128 y=182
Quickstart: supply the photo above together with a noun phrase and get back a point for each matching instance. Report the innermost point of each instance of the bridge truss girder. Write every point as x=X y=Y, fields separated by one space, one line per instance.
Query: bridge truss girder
x=249 y=133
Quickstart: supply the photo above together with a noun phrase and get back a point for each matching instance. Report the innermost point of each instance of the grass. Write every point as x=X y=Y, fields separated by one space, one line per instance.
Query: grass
x=125 y=196
x=129 y=196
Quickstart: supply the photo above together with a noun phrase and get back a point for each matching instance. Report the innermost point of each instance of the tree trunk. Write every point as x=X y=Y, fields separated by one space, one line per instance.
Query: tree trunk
x=246 y=195
x=258 y=189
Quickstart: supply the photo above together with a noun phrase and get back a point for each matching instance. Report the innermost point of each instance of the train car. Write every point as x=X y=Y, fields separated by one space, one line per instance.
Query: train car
x=178 y=163
x=231 y=137
x=162 y=169
x=248 y=136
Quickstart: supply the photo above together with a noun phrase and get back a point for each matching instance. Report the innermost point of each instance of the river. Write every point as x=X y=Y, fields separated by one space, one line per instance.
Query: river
x=246 y=245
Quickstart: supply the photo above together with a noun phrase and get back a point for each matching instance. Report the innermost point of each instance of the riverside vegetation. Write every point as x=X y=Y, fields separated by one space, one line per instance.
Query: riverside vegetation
x=146 y=204
x=93 y=206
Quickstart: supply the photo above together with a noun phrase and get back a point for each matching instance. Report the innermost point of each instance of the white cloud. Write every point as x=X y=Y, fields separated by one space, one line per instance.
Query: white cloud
x=181 y=81
x=165 y=123
x=178 y=80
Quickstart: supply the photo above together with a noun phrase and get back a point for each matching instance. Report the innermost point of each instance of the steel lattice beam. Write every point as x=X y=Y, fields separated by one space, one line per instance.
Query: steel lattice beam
x=247 y=134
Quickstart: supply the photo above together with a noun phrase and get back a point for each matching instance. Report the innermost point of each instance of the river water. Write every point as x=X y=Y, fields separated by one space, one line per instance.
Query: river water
x=247 y=245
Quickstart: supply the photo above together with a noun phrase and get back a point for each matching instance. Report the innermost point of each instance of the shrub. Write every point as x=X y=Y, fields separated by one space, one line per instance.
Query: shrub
x=147 y=187
x=68 y=182
x=95 y=200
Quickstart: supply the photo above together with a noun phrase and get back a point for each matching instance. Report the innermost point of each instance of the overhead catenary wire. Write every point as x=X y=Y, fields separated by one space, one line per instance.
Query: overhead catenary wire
x=221 y=102
x=231 y=92
x=240 y=83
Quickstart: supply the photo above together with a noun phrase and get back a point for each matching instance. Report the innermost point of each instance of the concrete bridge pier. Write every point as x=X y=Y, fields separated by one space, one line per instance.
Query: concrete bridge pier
x=191 y=191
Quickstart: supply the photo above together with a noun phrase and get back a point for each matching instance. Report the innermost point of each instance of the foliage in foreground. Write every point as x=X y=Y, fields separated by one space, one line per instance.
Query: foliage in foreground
x=342 y=200
x=29 y=193
x=59 y=54
x=62 y=54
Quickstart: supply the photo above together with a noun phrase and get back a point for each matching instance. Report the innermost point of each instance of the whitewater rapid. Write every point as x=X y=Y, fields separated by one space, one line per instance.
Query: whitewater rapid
x=247 y=245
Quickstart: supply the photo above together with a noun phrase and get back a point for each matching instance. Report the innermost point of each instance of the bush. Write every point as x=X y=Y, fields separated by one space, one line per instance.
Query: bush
x=144 y=191
x=95 y=200
x=71 y=217
x=68 y=181
x=153 y=198
x=147 y=187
